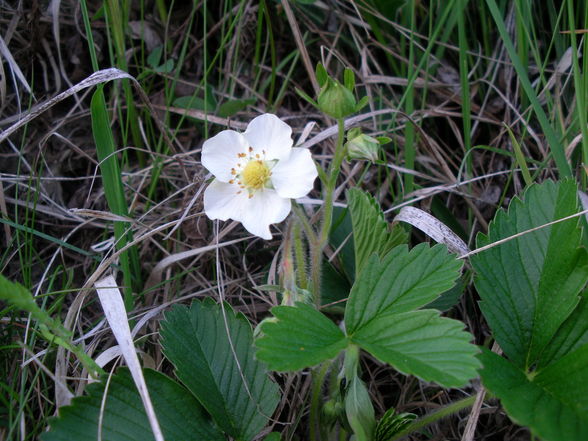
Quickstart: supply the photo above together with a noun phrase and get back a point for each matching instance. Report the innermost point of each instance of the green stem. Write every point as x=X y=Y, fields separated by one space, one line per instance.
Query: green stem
x=318 y=248
x=310 y=233
x=435 y=416
x=318 y=378
x=300 y=256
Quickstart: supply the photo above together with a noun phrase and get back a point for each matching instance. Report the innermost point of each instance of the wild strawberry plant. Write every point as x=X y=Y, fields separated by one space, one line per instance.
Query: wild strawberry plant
x=530 y=272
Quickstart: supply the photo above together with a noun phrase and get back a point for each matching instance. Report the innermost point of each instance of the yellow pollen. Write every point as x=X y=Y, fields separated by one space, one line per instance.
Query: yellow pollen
x=255 y=174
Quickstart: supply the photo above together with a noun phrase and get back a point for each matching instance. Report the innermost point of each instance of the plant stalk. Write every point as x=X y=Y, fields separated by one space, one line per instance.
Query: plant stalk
x=323 y=237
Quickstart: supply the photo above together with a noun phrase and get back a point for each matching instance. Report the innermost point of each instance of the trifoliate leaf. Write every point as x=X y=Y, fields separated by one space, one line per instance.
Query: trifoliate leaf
x=530 y=285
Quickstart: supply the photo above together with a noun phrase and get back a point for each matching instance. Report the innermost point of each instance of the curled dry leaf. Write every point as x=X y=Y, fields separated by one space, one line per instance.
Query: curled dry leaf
x=433 y=228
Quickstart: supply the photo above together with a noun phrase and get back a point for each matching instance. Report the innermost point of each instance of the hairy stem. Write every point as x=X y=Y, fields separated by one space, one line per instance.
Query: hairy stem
x=323 y=237
x=318 y=378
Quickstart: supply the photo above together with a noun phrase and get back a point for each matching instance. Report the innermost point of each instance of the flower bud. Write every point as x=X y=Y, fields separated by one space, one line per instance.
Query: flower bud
x=359 y=409
x=336 y=100
x=361 y=146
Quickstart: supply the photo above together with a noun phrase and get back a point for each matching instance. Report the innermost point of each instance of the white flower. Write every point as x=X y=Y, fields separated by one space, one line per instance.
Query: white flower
x=256 y=174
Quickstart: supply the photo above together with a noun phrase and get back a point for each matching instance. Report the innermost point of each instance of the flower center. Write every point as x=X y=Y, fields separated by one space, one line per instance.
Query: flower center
x=255 y=174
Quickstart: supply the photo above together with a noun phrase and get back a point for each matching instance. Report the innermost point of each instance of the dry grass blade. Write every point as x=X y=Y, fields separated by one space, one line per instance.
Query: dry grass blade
x=203 y=116
x=332 y=131
x=13 y=65
x=114 y=309
x=155 y=276
x=301 y=46
x=4 y=212
x=99 y=77
x=470 y=429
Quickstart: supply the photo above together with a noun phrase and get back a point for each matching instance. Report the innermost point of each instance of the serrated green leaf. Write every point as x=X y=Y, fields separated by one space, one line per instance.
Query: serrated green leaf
x=449 y=298
x=334 y=288
x=566 y=379
x=370 y=230
x=341 y=239
x=570 y=336
x=530 y=285
x=403 y=281
x=538 y=403
x=221 y=372
x=299 y=337
x=179 y=414
x=421 y=343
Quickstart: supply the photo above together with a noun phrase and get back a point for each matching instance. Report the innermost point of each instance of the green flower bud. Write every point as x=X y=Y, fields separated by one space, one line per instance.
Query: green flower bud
x=361 y=146
x=359 y=410
x=336 y=100
x=358 y=405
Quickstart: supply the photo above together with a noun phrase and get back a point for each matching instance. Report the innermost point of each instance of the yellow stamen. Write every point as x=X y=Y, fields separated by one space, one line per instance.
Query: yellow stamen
x=255 y=174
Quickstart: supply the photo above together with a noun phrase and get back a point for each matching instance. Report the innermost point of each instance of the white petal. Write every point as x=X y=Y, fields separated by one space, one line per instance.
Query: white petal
x=221 y=201
x=263 y=209
x=268 y=133
x=294 y=177
x=220 y=153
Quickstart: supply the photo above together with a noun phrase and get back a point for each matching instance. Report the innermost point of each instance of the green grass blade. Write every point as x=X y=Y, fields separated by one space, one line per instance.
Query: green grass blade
x=114 y=191
x=464 y=83
x=579 y=82
x=552 y=137
x=520 y=158
x=48 y=237
x=409 y=131
x=89 y=36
